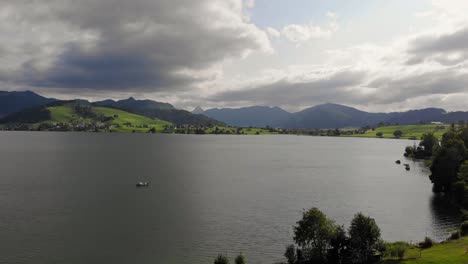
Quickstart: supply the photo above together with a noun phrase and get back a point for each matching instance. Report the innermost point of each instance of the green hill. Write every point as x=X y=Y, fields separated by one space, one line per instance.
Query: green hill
x=73 y=116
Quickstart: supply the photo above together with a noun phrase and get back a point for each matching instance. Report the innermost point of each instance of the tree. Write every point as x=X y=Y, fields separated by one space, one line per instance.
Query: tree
x=379 y=134
x=240 y=259
x=364 y=238
x=428 y=142
x=339 y=252
x=313 y=233
x=290 y=254
x=221 y=259
x=427 y=243
x=446 y=163
x=152 y=130
x=397 y=133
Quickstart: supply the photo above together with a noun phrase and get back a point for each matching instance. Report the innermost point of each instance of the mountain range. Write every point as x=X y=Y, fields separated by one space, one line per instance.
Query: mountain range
x=320 y=116
x=328 y=116
x=13 y=102
x=163 y=111
x=256 y=116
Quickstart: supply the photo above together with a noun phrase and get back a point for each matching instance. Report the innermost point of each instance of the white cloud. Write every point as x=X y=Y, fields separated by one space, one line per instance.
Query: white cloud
x=249 y=3
x=332 y=15
x=273 y=33
x=300 y=33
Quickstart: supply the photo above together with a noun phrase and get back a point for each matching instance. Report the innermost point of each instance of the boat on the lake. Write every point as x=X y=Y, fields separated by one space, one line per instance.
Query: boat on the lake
x=142 y=184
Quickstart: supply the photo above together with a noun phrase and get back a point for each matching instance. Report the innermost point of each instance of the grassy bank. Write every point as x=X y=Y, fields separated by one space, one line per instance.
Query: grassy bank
x=453 y=252
x=409 y=131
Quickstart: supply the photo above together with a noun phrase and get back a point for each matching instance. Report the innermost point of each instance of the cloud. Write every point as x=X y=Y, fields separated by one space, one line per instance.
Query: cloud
x=358 y=76
x=439 y=82
x=209 y=52
x=249 y=3
x=298 y=33
x=448 y=48
x=300 y=90
x=331 y=15
x=139 y=45
x=273 y=33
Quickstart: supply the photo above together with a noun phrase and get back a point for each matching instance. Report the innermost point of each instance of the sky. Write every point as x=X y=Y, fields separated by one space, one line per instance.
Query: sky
x=375 y=55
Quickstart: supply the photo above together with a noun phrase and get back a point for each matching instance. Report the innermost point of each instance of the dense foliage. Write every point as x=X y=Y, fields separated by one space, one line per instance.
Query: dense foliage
x=448 y=161
x=320 y=240
x=223 y=259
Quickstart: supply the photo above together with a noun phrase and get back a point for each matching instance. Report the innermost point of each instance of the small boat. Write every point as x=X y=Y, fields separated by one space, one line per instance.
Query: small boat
x=142 y=184
x=398 y=162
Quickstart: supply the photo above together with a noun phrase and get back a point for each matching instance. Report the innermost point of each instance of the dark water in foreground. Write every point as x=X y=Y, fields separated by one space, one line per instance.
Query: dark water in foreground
x=71 y=197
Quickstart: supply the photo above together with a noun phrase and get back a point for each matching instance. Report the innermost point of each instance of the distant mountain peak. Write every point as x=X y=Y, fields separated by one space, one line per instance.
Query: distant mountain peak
x=15 y=101
x=131 y=99
x=260 y=116
x=198 y=110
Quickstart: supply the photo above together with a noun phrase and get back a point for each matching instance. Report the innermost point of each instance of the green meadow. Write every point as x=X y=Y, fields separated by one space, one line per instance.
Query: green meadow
x=452 y=252
x=138 y=122
x=409 y=131
x=122 y=121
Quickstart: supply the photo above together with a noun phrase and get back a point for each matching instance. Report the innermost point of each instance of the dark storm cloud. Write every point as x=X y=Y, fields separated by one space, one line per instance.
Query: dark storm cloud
x=140 y=44
x=75 y=68
x=334 y=88
x=447 y=49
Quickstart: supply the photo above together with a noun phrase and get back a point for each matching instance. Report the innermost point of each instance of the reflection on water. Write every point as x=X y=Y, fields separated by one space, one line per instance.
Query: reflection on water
x=445 y=216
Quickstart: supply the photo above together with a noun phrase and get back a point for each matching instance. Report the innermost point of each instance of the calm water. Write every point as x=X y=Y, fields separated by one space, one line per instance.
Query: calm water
x=71 y=197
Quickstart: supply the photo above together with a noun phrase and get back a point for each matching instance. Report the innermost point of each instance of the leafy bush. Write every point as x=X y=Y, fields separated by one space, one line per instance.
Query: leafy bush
x=464 y=228
x=464 y=214
x=240 y=259
x=290 y=254
x=221 y=259
x=455 y=235
x=427 y=243
x=398 y=133
x=409 y=151
x=396 y=250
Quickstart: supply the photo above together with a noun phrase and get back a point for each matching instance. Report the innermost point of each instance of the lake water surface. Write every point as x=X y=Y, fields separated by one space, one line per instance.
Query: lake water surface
x=71 y=197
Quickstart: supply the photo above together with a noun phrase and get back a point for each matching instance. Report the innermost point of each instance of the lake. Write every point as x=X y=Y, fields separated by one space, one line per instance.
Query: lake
x=71 y=197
